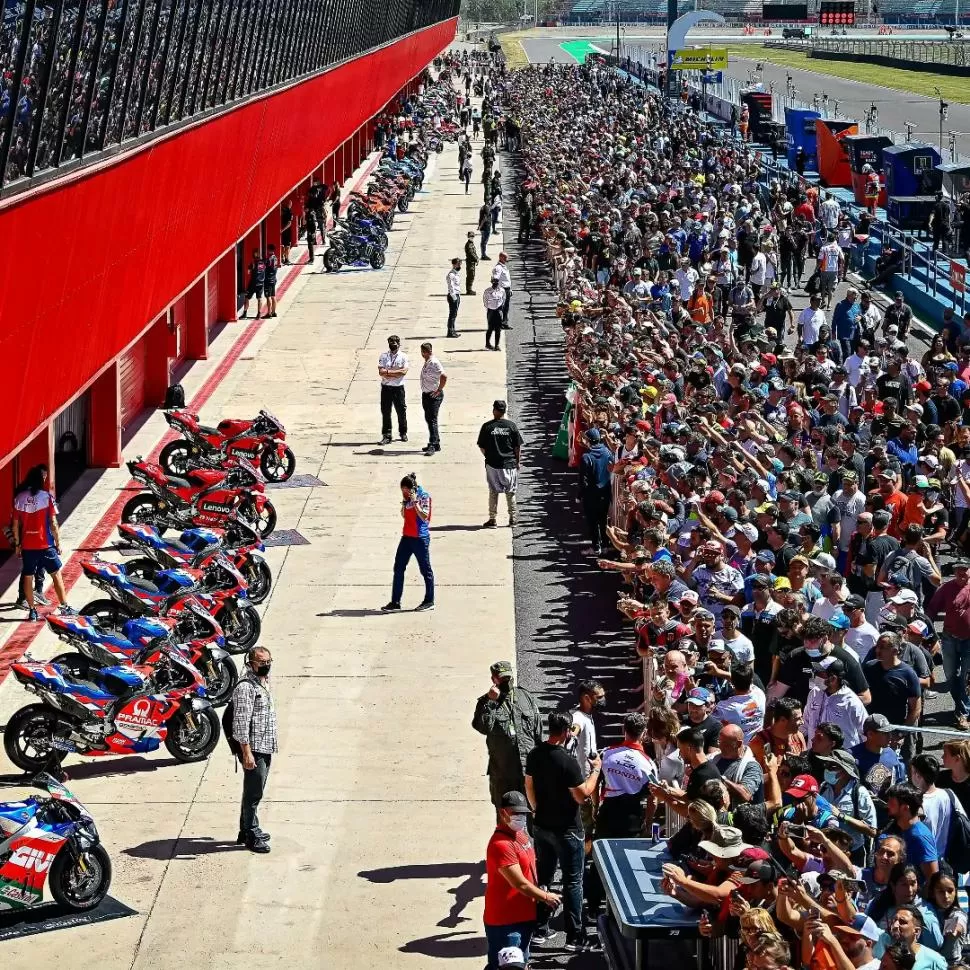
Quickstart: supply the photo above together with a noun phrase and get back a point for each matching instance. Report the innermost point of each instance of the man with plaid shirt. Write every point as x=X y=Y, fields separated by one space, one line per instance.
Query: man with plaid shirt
x=254 y=727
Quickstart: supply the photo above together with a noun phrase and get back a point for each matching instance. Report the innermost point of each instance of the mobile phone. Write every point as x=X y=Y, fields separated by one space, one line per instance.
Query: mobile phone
x=814 y=913
x=798 y=831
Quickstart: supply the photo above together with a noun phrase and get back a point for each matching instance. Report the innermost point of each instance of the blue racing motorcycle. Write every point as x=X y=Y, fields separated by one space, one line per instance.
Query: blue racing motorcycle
x=351 y=250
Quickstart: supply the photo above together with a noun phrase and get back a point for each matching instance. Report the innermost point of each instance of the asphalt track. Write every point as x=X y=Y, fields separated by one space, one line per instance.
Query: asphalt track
x=895 y=107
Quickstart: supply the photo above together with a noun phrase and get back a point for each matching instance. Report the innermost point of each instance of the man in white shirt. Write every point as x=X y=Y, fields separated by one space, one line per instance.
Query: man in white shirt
x=829 y=212
x=861 y=636
x=745 y=706
x=810 y=321
x=392 y=366
x=857 y=364
x=505 y=281
x=433 y=380
x=453 y=282
x=830 y=701
x=686 y=277
x=756 y=274
x=494 y=301
x=592 y=697
x=830 y=262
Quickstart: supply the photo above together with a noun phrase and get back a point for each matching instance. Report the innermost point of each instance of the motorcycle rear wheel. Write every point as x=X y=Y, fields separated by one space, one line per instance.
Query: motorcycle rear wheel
x=31 y=729
x=242 y=629
x=274 y=468
x=186 y=744
x=141 y=508
x=81 y=888
x=176 y=458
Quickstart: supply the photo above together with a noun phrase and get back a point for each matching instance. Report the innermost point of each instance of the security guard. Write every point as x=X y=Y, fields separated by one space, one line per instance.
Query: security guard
x=508 y=716
x=471 y=263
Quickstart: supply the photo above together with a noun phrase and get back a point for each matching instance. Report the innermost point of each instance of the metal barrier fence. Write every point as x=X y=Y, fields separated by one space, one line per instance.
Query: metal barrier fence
x=955 y=53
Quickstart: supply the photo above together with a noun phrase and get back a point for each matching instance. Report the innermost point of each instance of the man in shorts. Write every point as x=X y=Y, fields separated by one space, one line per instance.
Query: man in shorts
x=255 y=284
x=829 y=269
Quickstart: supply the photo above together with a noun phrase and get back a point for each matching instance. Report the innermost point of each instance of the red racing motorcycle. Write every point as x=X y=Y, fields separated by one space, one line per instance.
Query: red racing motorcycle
x=260 y=440
x=204 y=497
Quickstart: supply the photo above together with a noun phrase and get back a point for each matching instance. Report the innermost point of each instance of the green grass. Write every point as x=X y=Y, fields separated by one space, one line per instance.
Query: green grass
x=912 y=82
x=515 y=55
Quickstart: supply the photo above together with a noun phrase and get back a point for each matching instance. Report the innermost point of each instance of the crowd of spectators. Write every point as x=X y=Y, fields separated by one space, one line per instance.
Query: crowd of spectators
x=776 y=492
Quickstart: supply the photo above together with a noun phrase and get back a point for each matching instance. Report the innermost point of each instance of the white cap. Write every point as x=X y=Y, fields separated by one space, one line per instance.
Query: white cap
x=511 y=956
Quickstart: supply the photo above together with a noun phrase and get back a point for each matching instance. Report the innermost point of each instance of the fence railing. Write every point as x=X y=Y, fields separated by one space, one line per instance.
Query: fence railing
x=955 y=53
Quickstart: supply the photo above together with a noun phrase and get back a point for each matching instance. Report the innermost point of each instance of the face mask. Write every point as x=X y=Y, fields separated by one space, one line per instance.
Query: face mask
x=831 y=777
x=517 y=823
x=262 y=670
x=818 y=682
x=813 y=653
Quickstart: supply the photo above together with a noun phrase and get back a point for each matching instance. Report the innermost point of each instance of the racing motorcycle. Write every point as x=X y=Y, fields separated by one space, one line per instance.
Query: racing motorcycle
x=120 y=710
x=371 y=207
x=139 y=641
x=50 y=849
x=204 y=497
x=361 y=226
x=195 y=548
x=220 y=590
x=351 y=250
x=261 y=439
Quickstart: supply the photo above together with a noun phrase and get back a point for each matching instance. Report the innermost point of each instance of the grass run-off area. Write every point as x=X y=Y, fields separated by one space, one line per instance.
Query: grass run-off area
x=515 y=55
x=913 y=82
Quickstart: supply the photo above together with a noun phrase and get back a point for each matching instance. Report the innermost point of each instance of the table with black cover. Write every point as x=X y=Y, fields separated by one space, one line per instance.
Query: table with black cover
x=642 y=925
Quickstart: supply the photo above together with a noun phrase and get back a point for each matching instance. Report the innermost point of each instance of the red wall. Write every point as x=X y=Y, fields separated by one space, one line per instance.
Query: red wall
x=94 y=258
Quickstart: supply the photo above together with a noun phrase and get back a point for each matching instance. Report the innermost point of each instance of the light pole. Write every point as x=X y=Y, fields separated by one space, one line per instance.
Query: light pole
x=944 y=110
x=910 y=128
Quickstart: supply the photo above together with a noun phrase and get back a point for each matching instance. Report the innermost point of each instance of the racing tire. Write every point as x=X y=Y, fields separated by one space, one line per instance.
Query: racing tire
x=187 y=745
x=403 y=203
x=242 y=630
x=176 y=457
x=439 y=148
x=219 y=688
x=273 y=468
x=144 y=567
x=377 y=259
x=141 y=508
x=331 y=262
x=266 y=522
x=80 y=889
x=259 y=577
x=22 y=731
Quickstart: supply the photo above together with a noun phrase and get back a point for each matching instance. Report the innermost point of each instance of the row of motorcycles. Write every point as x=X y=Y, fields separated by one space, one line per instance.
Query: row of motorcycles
x=147 y=663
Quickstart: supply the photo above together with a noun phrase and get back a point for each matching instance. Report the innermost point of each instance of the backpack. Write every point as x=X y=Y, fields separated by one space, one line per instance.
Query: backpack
x=958 y=839
x=174 y=397
x=228 y=713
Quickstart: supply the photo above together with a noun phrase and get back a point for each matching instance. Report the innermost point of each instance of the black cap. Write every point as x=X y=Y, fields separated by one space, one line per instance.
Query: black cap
x=515 y=803
x=854 y=602
x=499 y=406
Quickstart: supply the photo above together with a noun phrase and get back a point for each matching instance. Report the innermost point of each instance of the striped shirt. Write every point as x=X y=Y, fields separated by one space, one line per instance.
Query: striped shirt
x=431 y=375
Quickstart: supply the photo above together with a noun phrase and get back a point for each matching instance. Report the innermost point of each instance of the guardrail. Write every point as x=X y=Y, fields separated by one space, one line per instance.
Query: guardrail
x=938 y=53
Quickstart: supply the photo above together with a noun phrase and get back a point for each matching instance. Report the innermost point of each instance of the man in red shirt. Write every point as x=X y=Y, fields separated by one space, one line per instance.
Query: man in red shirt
x=511 y=892
x=952 y=599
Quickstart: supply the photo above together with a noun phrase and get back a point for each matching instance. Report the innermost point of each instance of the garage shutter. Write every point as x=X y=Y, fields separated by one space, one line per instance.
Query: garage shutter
x=212 y=295
x=132 y=367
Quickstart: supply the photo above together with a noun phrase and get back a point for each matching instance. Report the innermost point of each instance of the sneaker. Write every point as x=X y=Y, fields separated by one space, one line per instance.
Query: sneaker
x=32 y=616
x=428 y=451
x=424 y=607
x=390 y=607
x=386 y=440
x=66 y=611
x=39 y=598
x=578 y=945
x=22 y=604
x=404 y=437
x=929 y=695
x=490 y=524
x=543 y=935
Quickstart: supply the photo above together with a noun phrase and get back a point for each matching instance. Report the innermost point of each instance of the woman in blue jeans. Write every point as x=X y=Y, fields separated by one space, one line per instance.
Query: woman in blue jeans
x=415 y=541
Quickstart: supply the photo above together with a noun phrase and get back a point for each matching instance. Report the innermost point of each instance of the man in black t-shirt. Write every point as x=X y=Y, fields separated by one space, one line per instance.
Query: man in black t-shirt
x=555 y=787
x=500 y=442
x=700 y=703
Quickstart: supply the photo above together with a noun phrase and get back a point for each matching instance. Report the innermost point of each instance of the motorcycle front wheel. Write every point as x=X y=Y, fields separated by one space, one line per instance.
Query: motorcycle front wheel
x=141 y=508
x=275 y=468
x=331 y=262
x=403 y=203
x=221 y=678
x=27 y=739
x=241 y=627
x=259 y=577
x=187 y=743
x=79 y=884
x=377 y=259
x=266 y=520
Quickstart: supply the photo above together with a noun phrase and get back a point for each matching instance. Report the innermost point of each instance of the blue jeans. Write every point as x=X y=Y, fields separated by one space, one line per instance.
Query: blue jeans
x=509 y=934
x=568 y=849
x=956 y=666
x=420 y=548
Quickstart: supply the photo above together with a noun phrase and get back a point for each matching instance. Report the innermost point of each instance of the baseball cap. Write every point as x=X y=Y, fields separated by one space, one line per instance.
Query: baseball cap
x=931 y=461
x=749 y=531
x=742 y=651
x=830 y=665
x=593 y=435
x=700 y=695
x=726 y=842
x=690 y=596
x=918 y=627
x=905 y=596
x=703 y=614
x=860 y=925
x=762 y=871
x=877 y=722
x=838 y=621
x=854 y=602
x=921 y=481
x=730 y=608
x=502 y=668
x=802 y=786
x=515 y=802
x=512 y=956
x=766 y=555
x=823 y=560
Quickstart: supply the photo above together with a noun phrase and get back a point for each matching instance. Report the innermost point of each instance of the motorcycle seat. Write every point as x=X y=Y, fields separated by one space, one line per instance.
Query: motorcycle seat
x=144 y=584
x=176 y=481
x=204 y=429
